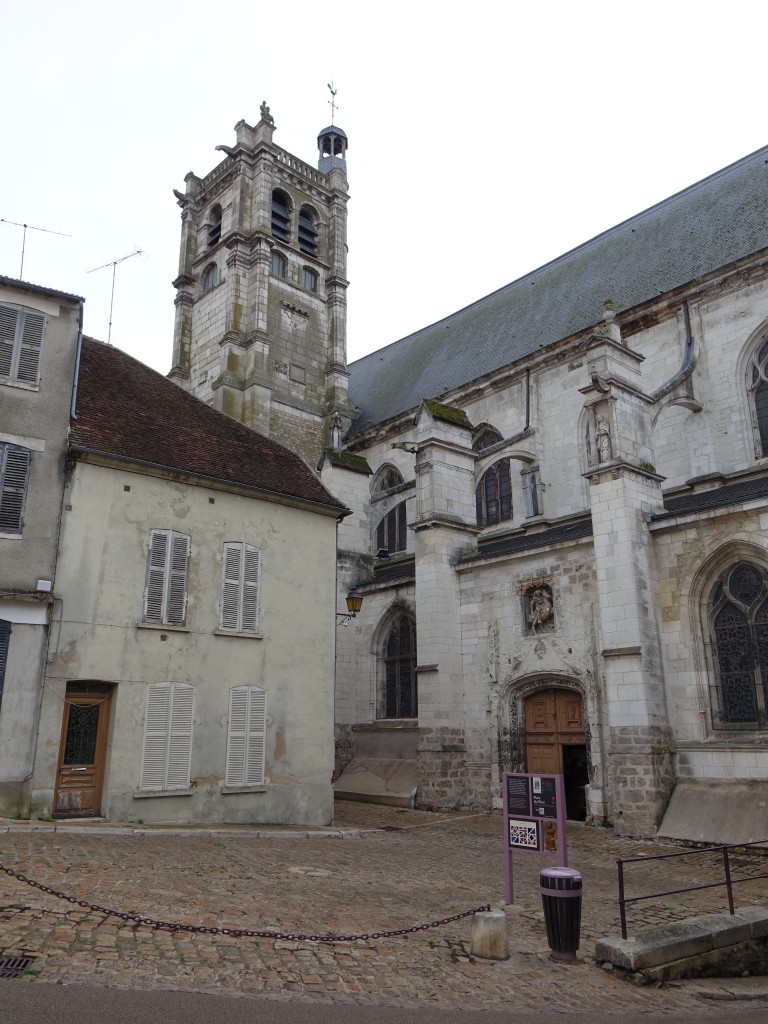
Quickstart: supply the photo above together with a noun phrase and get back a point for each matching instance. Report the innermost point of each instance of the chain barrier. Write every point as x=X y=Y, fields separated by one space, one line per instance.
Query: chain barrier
x=251 y=933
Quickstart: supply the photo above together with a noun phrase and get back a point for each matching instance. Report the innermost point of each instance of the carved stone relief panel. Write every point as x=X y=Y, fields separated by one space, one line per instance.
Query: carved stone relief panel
x=538 y=606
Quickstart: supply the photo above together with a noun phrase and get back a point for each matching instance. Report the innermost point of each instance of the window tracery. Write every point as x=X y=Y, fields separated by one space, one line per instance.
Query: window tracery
x=398 y=696
x=739 y=629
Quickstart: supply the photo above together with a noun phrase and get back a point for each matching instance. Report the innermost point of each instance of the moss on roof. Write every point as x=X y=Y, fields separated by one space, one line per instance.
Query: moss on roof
x=447 y=413
x=346 y=460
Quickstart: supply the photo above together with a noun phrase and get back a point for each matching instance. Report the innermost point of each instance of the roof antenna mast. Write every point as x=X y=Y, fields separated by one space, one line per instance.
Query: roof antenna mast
x=31 y=227
x=332 y=101
x=113 y=264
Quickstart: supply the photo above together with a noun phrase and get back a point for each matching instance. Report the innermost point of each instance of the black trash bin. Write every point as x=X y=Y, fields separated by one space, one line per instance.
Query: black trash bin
x=561 y=896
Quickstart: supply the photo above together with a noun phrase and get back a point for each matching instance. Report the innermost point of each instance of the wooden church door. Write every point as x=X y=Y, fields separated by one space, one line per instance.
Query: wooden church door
x=556 y=743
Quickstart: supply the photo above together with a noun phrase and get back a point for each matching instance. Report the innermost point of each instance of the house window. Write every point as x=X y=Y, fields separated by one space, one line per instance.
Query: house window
x=240 y=588
x=308 y=230
x=246 y=736
x=281 y=215
x=387 y=478
x=310 y=279
x=5 y=640
x=167 y=750
x=493 y=496
x=214 y=227
x=739 y=630
x=391 y=533
x=21 y=343
x=14 y=475
x=165 y=594
x=210 y=277
x=279 y=264
x=398 y=669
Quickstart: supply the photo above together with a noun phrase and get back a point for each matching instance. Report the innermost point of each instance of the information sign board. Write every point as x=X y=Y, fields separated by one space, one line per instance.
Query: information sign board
x=519 y=795
x=534 y=818
x=544 y=796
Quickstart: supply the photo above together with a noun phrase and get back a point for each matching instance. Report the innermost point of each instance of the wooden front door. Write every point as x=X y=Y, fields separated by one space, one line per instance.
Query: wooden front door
x=556 y=743
x=82 y=755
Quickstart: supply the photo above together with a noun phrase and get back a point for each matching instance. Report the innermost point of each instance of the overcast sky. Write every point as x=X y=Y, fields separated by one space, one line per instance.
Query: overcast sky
x=485 y=139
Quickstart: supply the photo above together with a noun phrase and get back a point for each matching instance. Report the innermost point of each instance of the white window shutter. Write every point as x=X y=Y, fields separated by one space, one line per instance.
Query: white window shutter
x=237 y=736
x=251 y=574
x=176 y=612
x=246 y=736
x=154 y=755
x=31 y=347
x=156 y=572
x=230 y=588
x=257 y=727
x=167 y=751
x=8 y=320
x=180 y=738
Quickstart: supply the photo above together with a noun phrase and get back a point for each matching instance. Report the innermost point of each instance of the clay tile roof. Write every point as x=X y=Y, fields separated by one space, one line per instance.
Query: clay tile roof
x=127 y=410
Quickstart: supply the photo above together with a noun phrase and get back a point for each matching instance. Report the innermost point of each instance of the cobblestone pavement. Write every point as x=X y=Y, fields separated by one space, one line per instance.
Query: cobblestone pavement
x=396 y=868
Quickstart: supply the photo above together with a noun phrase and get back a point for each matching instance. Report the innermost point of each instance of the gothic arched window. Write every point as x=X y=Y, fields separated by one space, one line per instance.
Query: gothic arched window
x=387 y=478
x=391 y=533
x=757 y=386
x=279 y=264
x=738 y=617
x=487 y=437
x=398 y=698
x=214 y=227
x=281 y=215
x=210 y=277
x=308 y=230
x=493 y=496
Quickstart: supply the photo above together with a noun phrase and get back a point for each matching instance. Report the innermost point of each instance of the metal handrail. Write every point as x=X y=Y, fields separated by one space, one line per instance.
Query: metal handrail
x=728 y=883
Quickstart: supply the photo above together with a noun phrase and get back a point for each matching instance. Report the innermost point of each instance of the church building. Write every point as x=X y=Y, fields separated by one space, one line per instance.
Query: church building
x=559 y=494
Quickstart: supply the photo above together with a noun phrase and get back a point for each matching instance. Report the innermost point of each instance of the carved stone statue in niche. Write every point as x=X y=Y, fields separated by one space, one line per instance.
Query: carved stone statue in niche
x=602 y=439
x=540 y=610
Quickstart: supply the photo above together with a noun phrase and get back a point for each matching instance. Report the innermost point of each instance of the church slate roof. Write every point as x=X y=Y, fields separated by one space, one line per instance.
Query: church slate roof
x=695 y=232
x=125 y=409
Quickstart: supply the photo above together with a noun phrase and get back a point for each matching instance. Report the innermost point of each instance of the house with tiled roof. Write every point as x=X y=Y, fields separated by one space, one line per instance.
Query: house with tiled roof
x=193 y=555
x=553 y=503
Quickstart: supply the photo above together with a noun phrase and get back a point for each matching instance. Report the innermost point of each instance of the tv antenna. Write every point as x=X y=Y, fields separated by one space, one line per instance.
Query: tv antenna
x=113 y=264
x=31 y=227
x=332 y=101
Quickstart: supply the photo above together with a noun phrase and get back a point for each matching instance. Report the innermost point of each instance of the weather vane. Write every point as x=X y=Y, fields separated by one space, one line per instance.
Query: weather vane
x=332 y=101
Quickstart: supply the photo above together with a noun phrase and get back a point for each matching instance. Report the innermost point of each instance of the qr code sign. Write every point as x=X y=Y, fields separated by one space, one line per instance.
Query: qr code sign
x=523 y=834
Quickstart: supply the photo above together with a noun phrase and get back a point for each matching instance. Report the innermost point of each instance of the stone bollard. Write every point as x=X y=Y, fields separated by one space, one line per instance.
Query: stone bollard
x=489 y=935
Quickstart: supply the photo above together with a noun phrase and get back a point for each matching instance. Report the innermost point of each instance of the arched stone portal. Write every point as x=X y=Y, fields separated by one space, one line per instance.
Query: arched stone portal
x=556 y=743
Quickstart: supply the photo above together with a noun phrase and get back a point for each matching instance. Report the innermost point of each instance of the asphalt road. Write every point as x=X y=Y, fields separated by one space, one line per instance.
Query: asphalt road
x=39 y=1003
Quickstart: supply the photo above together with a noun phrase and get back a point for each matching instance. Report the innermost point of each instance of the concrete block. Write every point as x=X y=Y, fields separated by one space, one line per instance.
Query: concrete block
x=757 y=918
x=488 y=938
x=725 y=929
x=655 y=946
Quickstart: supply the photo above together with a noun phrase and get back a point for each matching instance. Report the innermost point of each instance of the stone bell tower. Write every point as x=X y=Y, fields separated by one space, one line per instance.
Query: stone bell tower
x=260 y=328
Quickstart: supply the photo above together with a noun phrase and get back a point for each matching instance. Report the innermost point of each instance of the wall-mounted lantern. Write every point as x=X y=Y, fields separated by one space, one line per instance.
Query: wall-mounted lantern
x=354 y=604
